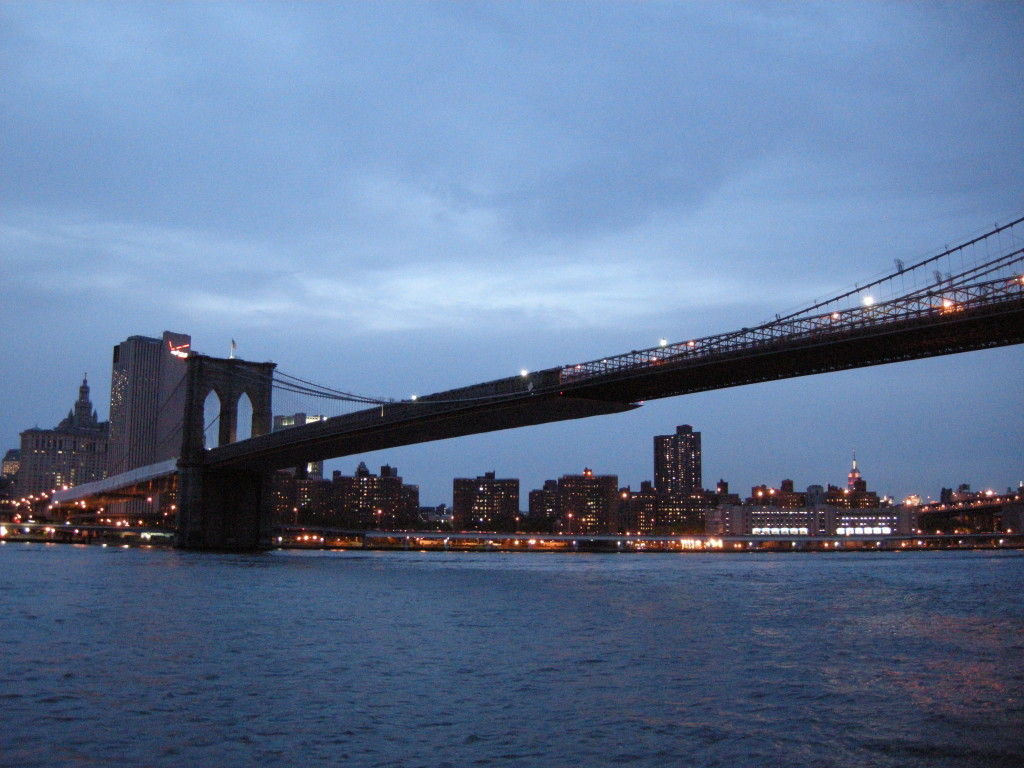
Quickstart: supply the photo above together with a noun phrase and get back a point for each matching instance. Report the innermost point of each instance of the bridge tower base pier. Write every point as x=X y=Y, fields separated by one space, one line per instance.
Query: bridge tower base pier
x=228 y=511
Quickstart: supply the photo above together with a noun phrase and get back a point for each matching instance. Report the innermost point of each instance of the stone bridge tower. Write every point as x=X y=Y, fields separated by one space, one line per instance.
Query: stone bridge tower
x=223 y=509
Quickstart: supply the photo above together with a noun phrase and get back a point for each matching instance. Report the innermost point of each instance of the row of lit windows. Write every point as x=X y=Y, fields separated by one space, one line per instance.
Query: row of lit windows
x=863 y=530
x=781 y=531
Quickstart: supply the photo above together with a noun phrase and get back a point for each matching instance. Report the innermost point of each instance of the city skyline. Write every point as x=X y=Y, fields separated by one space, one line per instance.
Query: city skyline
x=676 y=461
x=318 y=184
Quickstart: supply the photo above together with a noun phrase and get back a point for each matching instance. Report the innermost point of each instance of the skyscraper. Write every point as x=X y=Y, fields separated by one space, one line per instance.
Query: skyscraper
x=147 y=396
x=678 y=482
x=677 y=469
x=854 y=481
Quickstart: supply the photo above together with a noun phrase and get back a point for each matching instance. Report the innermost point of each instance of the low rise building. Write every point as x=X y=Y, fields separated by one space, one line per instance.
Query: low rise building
x=824 y=520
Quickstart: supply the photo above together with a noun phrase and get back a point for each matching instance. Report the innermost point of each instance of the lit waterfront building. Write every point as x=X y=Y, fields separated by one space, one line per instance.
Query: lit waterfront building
x=299 y=500
x=850 y=511
x=589 y=503
x=73 y=453
x=783 y=497
x=880 y=521
x=365 y=500
x=545 y=508
x=745 y=520
x=641 y=513
x=486 y=503
x=359 y=501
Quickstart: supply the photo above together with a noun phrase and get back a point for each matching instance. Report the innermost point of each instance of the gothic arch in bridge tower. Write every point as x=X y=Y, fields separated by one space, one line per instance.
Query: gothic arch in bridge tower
x=243 y=391
x=211 y=418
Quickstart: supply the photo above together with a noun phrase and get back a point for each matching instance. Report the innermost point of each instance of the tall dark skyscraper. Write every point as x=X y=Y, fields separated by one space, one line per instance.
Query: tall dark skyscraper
x=146 y=400
x=677 y=469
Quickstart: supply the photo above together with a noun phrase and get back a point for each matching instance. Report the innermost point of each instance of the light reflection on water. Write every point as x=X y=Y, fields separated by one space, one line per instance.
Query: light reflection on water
x=161 y=658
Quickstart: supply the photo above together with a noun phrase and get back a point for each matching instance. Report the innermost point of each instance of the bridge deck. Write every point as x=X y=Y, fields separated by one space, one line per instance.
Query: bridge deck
x=871 y=338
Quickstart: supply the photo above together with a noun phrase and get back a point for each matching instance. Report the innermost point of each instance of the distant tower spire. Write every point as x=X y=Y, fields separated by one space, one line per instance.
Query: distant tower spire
x=83 y=415
x=854 y=477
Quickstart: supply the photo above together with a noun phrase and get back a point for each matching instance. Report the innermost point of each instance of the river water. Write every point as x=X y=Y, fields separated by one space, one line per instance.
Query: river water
x=136 y=657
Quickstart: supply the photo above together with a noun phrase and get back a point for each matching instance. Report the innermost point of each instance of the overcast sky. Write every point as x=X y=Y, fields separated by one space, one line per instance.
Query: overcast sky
x=398 y=198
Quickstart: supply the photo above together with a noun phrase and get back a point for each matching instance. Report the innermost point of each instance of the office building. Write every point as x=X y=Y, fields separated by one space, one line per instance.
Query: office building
x=855 y=495
x=73 y=453
x=147 y=400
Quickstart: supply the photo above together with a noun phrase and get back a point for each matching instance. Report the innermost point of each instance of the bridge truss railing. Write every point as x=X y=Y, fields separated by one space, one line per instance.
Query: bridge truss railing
x=934 y=301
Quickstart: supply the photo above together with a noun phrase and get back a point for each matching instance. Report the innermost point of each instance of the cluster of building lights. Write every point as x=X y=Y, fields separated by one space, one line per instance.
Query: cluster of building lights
x=867 y=530
x=780 y=531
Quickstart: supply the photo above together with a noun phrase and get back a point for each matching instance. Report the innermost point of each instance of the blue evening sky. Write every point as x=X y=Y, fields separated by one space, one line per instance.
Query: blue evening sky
x=397 y=198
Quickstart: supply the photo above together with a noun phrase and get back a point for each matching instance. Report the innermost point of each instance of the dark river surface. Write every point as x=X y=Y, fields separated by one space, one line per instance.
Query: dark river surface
x=138 y=657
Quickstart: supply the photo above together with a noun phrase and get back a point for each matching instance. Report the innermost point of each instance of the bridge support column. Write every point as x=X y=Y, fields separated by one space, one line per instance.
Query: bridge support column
x=223 y=509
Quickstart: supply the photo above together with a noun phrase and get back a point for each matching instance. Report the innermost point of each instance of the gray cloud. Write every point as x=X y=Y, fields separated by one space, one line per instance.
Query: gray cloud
x=554 y=180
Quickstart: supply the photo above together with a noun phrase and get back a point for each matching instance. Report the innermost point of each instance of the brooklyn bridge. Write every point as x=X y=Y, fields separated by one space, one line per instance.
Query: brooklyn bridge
x=964 y=298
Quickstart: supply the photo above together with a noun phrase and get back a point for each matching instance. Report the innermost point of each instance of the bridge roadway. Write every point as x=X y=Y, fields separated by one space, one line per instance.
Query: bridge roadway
x=980 y=317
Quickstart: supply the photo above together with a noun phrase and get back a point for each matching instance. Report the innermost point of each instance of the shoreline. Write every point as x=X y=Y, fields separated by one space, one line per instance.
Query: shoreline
x=466 y=541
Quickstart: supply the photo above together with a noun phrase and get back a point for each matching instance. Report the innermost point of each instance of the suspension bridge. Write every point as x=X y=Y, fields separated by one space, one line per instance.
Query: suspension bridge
x=963 y=298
